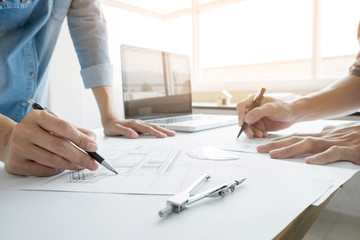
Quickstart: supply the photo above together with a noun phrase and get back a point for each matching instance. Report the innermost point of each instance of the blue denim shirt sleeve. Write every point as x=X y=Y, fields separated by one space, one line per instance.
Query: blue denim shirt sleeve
x=28 y=34
x=87 y=27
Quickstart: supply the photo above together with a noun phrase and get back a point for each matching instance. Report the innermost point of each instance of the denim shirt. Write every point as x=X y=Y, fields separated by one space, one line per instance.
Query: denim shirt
x=28 y=33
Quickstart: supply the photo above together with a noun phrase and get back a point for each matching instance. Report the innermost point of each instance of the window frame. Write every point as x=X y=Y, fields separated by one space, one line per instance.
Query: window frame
x=199 y=85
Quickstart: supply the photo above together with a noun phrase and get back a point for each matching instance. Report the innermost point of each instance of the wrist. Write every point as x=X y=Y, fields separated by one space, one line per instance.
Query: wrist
x=105 y=100
x=299 y=109
x=6 y=126
x=108 y=119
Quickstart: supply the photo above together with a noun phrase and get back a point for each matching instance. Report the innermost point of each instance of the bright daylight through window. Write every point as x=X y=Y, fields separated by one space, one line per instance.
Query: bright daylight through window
x=244 y=44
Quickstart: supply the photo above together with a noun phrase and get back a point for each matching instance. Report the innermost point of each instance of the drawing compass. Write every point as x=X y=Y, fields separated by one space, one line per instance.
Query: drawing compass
x=183 y=200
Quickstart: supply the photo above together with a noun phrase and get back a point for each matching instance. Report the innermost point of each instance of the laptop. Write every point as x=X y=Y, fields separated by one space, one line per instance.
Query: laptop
x=157 y=89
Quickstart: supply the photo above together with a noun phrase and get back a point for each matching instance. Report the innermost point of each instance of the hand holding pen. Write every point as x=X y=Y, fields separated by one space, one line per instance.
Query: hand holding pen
x=271 y=115
x=253 y=104
x=93 y=154
x=39 y=146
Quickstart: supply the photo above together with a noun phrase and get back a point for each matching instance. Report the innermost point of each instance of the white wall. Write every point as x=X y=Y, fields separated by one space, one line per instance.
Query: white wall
x=67 y=96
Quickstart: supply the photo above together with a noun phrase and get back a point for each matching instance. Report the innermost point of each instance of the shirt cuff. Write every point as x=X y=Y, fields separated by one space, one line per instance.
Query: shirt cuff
x=98 y=75
x=354 y=70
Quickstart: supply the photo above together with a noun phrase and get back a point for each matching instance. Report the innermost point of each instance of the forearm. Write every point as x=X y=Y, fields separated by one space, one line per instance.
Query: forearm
x=105 y=99
x=338 y=99
x=6 y=125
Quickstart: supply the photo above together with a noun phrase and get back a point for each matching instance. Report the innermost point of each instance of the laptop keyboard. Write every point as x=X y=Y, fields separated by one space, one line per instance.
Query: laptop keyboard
x=178 y=119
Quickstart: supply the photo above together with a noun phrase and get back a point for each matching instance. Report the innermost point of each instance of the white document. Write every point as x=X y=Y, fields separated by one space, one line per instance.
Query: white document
x=268 y=194
x=245 y=144
x=276 y=191
x=152 y=166
x=160 y=166
x=145 y=166
x=340 y=171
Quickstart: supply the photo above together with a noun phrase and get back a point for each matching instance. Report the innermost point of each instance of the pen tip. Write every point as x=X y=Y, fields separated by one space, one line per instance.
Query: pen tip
x=239 y=134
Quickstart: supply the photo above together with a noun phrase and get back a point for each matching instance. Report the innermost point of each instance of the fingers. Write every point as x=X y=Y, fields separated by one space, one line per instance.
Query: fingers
x=252 y=131
x=65 y=130
x=62 y=148
x=163 y=130
x=252 y=115
x=287 y=148
x=242 y=106
x=53 y=134
x=259 y=129
x=30 y=168
x=297 y=146
x=297 y=137
x=261 y=119
x=39 y=146
x=129 y=128
x=296 y=149
x=89 y=133
x=150 y=129
x=116 y=129
x=51 y=160
x=256 y=114
x=333 y=154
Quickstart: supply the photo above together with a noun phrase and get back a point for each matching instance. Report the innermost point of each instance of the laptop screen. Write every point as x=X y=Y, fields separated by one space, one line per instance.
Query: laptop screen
x=155 y=83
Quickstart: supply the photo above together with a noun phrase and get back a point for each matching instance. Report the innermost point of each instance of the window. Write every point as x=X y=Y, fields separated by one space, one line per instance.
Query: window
x=126 y=27
x=256 y=41
x=338 y=42
x=244 y=44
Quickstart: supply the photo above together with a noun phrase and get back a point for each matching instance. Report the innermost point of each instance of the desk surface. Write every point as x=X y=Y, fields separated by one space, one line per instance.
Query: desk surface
x=74 y=215
x=60 y=215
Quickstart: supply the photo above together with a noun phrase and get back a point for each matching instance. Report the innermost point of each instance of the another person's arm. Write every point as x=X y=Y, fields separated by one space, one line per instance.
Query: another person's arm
x=340 y=98
x=88 y=31
x=330 y=145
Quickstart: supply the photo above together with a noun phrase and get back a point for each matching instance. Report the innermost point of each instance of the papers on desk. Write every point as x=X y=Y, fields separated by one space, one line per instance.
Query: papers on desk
x=152 y=166
x=340 y=172
x=245 y=144
x=275 y=191
x=156 y=166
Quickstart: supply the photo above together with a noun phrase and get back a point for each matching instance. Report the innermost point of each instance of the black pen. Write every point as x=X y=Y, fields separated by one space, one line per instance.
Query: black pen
x=94 y=155
x=255 y=103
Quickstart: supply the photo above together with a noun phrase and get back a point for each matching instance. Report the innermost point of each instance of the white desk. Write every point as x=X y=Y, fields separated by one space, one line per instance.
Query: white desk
x=73 y=215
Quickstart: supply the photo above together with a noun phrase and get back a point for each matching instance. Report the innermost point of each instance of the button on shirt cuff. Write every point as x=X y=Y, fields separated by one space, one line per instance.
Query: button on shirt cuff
x=97 y=75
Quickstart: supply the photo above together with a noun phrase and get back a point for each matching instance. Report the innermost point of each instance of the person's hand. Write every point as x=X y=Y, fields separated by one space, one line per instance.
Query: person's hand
x=333 y=143
x=131 y=128
x=39 y=146
x=271 y=115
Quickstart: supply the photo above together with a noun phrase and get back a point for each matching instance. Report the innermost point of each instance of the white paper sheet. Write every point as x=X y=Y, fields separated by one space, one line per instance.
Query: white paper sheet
x=342 y=171
x=160 y=166
x=147 y=167
x=275 y=191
